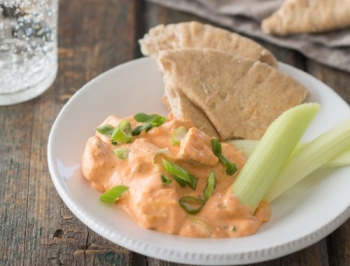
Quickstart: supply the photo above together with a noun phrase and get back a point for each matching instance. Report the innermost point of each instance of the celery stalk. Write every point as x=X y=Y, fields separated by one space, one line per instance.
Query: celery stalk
x=310 y=157
x=248 y=146
x=271 y=154
x=342 y=159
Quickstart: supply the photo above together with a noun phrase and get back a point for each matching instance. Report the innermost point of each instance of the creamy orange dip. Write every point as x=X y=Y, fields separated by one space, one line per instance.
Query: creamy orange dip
x=155 y=205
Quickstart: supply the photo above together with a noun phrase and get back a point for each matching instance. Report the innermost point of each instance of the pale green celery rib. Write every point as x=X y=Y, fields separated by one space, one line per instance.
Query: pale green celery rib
x=271 y=153
x=310 y=157
x=247 y=147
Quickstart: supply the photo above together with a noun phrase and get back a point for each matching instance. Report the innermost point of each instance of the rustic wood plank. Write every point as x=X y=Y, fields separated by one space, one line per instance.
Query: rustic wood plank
x=14 y=166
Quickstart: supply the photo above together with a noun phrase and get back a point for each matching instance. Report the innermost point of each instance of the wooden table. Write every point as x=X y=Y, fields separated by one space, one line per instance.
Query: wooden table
x=36 y=227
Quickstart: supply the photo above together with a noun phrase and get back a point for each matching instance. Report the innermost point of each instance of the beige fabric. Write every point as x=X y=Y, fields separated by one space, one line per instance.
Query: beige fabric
x=240 y=96
x=306 y=16
x=196 y=35
x=331 y=48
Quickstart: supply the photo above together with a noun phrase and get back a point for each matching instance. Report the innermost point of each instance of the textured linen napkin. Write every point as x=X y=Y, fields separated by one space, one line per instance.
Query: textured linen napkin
x=245 y=16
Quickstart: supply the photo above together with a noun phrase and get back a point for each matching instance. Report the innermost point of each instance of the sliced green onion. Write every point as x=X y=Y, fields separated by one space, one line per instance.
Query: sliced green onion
x=114 y=193
x=180 y=173
x=178 y=135
x=151 y=121
x=165 y=180
x=310 y=157
x=200 y=221
x=161 y=152
x=143 y=118
x=231 y=168
x=191 y=204
x=105 y=130
x=180 y=181
x=271 y=154
x=137 y=130
x=211 y=184
x=121 y=153
x=122 y=133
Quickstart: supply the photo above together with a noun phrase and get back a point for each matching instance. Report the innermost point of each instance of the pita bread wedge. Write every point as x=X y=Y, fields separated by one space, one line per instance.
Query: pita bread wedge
x=308 y=16
x=182 y=108
x=196 y=35
x=241 y=97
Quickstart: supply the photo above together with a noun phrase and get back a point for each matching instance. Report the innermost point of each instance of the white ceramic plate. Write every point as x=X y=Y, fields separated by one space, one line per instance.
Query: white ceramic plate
x=302 y=216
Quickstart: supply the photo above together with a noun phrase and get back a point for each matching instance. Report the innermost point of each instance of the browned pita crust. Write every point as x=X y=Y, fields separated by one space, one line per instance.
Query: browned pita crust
x=305 y=16
x=196 y=35
x=240 y=96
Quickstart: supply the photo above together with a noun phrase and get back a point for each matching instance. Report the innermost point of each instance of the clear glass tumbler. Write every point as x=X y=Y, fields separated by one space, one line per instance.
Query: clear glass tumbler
x=28 y=48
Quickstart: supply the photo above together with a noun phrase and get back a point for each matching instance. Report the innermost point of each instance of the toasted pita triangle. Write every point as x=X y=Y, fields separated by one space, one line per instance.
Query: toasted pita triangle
x=241 y=97
x=196 y=35
x=305 y=16
x=182 y=108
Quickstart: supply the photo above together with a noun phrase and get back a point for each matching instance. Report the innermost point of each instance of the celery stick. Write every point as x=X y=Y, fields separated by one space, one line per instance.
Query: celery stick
x=342 y=159
x=310 y=157
x=271 y=154
x=248 y=146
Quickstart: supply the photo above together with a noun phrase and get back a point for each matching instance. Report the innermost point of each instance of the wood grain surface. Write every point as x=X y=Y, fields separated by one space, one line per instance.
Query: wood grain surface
x=36 y=227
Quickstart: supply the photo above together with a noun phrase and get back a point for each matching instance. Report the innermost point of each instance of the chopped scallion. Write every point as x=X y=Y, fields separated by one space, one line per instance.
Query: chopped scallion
x=211 y=184
x=114 y=193
x=191 y=204
x=121 y=153
x=178 y=135
x=105 y=130
x=231 y=168
x=165 y=180
x=122 y=133
x=180 y=173
x=143 y=118
x=150 y=121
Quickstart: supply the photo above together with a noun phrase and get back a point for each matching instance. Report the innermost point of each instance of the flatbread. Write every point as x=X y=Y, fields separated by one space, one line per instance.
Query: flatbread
x=241 y=97
x=196 y=35
x=182 y=108
x=308 y=16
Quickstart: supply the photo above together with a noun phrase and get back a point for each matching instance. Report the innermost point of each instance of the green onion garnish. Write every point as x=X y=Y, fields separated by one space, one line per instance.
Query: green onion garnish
x=178 y=135
x=211 y=184
x=150 y=121
x=105 y=130
x=231 y=168
x=271 y=154
x=122 y=133
x=113 y=194
x=121 y=153
x=161 y=152
x=165 y=180
x=180 y=173
x=191 y=204
x=143 y=118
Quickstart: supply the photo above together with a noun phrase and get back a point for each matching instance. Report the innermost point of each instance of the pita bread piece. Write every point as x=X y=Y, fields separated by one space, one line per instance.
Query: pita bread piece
x=307 y=16
x=196 y=35
x=182 y=108
x=241 y=97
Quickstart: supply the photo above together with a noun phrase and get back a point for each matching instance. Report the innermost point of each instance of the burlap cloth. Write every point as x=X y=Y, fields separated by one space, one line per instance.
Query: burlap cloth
x=245 y=16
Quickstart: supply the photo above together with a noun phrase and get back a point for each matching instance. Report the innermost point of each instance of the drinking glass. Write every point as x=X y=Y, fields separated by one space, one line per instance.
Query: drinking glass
x=28 y=48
